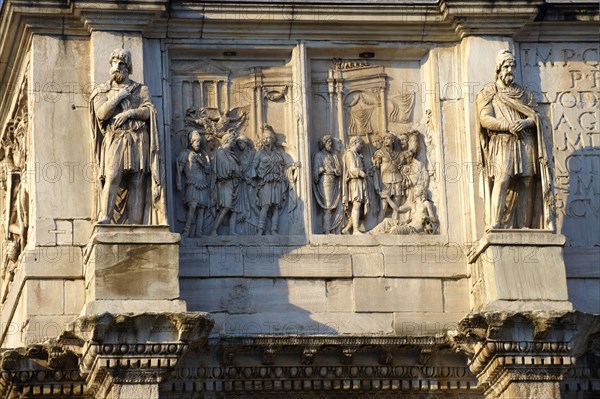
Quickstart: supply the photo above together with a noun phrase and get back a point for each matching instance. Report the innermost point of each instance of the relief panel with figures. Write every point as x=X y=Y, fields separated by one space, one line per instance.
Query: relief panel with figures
x=372 y=150
x=236 y=149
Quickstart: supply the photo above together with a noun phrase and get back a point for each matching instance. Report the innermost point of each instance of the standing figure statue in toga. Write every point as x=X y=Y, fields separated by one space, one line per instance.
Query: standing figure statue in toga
x=127 y=149
x=517 y=181
x=326 y=173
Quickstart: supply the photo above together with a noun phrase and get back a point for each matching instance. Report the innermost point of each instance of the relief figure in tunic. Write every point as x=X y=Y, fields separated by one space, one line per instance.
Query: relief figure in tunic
x=249 y=210
x=125 y=131
x=512 y=149
x=355 y=197
x=391 y=188
x=228 y=176
x=194 y=163
x=326 y=174
x=272 y=185
x=414 y=171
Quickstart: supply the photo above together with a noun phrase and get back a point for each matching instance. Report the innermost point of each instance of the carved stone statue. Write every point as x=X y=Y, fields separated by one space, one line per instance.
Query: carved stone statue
x=228 y=174
x=389 y=162
x=272 y=184
x=196 y=168
x=513 y=150
x=125 y=131
x=326 y=173
x=354 y=187
x=421 y=219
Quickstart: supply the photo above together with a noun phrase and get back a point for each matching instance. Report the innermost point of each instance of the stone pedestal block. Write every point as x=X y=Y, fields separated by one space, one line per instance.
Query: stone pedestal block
x=132 y=269
x=519 y=270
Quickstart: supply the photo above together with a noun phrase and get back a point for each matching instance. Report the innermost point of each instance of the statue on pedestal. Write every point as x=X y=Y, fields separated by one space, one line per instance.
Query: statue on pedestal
x=127 y=148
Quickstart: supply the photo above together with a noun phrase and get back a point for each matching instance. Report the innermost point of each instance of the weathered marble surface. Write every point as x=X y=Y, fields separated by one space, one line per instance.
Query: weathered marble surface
x=132 y=269
x=308 y=71
x=520 y=270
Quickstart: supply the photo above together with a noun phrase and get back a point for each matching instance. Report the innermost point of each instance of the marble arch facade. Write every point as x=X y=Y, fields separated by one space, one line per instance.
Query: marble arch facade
x=315 y=179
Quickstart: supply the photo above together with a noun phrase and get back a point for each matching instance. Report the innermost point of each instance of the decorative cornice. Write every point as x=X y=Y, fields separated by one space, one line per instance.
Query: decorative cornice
x=496 y=18
x=530 y=346
x=39 y=370
x=310 y=365
x=507 y=361
x=97 y=352
x=331 y=340
x=362 y=378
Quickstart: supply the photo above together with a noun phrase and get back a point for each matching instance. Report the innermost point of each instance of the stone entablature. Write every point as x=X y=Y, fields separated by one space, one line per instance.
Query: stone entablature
x=171 y=355
x=168 y=355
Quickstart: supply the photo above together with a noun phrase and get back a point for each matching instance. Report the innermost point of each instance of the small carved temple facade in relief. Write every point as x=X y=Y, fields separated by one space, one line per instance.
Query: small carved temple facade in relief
x=299 y=199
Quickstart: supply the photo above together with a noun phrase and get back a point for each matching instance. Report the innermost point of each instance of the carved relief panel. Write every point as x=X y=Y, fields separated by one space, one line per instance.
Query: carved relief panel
x=14 y=189
x=369 y=114
x=235 y=146
x=237 y=156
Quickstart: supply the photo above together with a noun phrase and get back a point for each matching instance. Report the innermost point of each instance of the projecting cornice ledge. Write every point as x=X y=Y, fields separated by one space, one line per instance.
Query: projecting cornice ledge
x=102 y=353
x=508 y=349
x=442 y=20
x=523 y=19
x=498 y=18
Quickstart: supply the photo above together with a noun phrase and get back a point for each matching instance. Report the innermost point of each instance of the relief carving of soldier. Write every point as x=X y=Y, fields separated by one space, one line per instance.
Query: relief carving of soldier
x=195 y=166
x=326 y=174
x=127 y=148
x=513 y=152
x=390 y=188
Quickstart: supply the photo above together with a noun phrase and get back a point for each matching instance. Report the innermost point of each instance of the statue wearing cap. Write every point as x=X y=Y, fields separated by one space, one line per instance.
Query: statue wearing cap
x=126 y=147
x=517 y=182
